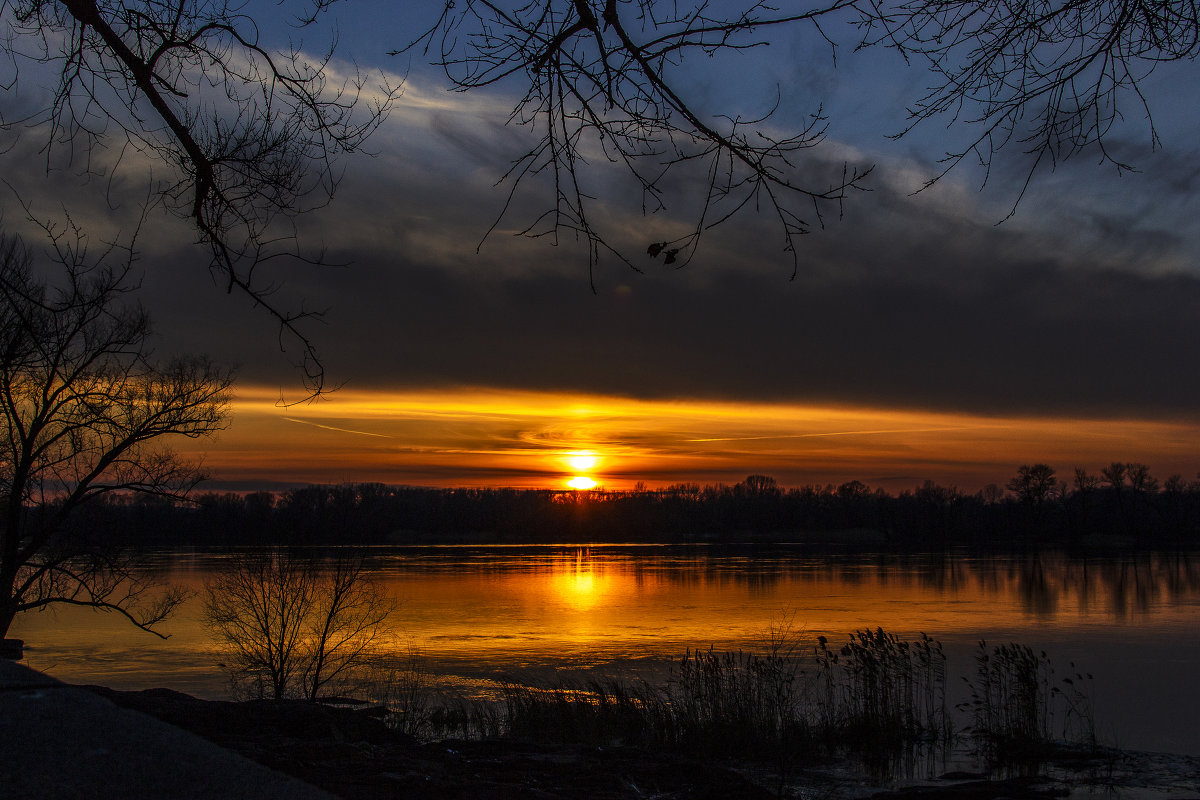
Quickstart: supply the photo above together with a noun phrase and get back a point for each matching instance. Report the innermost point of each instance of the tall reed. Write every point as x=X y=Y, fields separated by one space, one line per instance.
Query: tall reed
x=877 y=696
x=1018 y=706
x=590 y=712
x=876 y=692
x=879 y=691
x=724 y=701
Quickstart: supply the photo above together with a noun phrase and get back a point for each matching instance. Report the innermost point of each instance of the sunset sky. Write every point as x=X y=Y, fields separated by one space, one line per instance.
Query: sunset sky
x=919 y=338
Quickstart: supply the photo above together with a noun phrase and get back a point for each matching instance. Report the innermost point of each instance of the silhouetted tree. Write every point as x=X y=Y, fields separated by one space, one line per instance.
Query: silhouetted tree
x=244 y=135
x=1128 y=484
x=85 y=412
x=936 y=512
x=1139 y=478
x=1085 y=483
x=292 y=626
x=1143 y=490
x=760 y=486
x=1174 y=504
x=852 y=490
x=372 y=514
x=1033 y=484
x=1085 y=487
x=1114 y=476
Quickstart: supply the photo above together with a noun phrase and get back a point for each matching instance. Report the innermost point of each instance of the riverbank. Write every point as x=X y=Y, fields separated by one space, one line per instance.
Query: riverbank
x=62 y=741
x=352 y=754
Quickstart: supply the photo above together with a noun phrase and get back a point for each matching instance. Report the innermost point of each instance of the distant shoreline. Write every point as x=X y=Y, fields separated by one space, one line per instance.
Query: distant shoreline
x=851 y=515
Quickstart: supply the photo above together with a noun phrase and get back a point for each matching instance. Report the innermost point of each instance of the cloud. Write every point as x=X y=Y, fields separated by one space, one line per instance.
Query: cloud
x=917 y=301
x=917 y=327
x=473 y=436
x=1081 y=305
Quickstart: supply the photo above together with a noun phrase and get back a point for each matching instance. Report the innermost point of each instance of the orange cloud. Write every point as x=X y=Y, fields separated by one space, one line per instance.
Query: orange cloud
x=487 y=437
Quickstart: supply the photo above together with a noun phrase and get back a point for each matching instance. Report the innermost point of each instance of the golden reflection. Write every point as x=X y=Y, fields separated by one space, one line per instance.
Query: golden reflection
x=509 y=606
x=579 y=587
x=582 y=482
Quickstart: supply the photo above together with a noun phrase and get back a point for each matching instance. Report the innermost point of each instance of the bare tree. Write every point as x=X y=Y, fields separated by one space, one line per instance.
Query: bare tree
x=291 y=626
x=600 y=82
x=247 y=135
x=257 y=610
x=1033 y=485
x=347 y=626
x=608 y=81
x=85 y=412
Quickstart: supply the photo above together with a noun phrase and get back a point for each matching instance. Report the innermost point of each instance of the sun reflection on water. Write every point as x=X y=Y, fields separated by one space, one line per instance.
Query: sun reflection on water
x=581 y=587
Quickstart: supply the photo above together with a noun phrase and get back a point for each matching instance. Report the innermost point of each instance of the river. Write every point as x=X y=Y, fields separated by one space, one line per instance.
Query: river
x=475 y=613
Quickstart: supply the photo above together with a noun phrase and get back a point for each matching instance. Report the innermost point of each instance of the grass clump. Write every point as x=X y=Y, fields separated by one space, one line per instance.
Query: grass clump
x=879 y=698
x=881 y=692
x=1018 y=707
x=597 y=712
x=790 y=702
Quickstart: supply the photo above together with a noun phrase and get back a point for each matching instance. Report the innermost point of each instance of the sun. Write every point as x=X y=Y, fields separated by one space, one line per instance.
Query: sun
x=583 y=460
x=581 y=482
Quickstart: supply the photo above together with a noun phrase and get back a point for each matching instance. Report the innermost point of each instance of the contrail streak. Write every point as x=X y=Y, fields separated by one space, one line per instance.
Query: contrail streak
x=332 y=428
x=829 y=433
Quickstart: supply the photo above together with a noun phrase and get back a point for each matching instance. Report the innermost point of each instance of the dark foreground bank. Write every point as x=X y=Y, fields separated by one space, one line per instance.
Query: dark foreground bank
x=353 y=754
x=61 y=741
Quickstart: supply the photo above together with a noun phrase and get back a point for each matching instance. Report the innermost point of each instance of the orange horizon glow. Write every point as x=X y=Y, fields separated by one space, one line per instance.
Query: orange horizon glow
x=494 y=438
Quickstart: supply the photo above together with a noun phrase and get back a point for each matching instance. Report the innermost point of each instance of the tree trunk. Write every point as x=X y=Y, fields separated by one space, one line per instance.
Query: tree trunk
x=8 y=612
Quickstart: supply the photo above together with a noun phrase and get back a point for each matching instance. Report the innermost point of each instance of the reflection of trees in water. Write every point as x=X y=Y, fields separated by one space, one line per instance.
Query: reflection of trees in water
x=1039 y=592
x=1044 y=584
x=1124 y=585
x=1128 y=585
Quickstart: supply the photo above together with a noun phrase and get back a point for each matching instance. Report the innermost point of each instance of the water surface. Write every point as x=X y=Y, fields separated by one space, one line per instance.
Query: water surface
x=480 y=612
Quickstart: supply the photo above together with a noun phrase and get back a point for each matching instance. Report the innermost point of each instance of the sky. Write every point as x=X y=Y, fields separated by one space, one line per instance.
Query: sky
x=917 y=337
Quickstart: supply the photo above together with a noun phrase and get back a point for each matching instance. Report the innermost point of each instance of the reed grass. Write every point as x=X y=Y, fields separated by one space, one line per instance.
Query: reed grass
x=595 y=712
x=881 y=692
x=401 y=683
x=877 y=696
x=877 y=692
x=1018 y=706
x=1076 y=694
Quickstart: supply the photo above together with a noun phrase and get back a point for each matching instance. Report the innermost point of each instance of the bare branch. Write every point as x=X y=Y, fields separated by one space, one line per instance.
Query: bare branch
x=605 y=83
x=85 y=410
x=1050 y=77
x=250 y=135
x=600 y=85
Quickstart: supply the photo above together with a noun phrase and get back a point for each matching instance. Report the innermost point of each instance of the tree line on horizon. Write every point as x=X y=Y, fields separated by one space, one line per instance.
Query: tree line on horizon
x=1122 y=504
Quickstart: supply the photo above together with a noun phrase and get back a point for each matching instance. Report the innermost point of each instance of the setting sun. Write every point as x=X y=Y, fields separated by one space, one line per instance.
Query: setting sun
x=583 y=460
x=500 y=438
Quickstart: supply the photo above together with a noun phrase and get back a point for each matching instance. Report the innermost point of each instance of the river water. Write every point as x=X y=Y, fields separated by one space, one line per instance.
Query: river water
x=476 y=613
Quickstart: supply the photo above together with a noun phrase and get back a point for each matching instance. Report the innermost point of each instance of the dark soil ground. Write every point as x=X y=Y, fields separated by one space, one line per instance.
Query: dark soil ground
x=352 y=754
